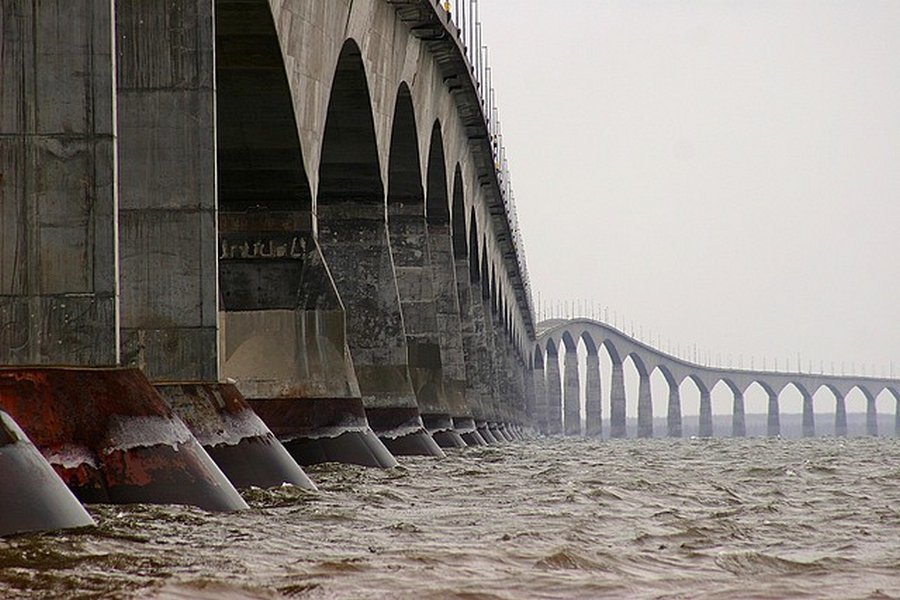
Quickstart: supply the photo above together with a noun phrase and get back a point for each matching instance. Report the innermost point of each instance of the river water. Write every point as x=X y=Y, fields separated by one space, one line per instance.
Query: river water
x=549 y=518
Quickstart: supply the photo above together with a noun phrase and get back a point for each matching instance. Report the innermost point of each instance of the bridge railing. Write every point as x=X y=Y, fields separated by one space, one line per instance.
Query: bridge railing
x=464 y=15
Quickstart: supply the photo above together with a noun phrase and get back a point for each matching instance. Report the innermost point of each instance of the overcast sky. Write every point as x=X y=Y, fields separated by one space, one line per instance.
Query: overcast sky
x=725 y=174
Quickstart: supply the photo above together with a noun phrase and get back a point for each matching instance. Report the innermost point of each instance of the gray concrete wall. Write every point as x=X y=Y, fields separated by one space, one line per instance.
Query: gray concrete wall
x=58 y=245
x=167 y=188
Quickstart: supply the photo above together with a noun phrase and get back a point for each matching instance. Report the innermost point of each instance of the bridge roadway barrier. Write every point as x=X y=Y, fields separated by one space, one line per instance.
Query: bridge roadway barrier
x=111 y=437
x=233 y=435
x=32 y=496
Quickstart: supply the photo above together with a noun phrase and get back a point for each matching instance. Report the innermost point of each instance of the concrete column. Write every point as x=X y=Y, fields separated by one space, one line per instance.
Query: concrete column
x=673 y=420
x=410 y=249
x=840 y=416
x=572 y=394
x=354 y=242
x=540 y=399
x=706 y=423
x=527 y=379
x=897 y=416
x=617 y=418
x=470 y=340
x=809 y=418
x=593 y=405
x=738 y=420
x=871 y=415
x=58 y=193
x=167 y=188
x=773 y=426
x=554 y=395
x=484 y=362
x=645 y=408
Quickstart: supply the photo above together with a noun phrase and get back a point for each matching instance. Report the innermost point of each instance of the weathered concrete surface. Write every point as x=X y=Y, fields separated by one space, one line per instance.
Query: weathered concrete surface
x=233 y=435
x=617 y=401
x=32 y=497
x=58 y=246
x=111 y=437
x=645 y=407
x=167 y=187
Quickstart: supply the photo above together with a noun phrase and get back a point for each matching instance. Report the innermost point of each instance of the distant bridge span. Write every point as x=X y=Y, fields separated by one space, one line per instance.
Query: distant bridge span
x=557 y=402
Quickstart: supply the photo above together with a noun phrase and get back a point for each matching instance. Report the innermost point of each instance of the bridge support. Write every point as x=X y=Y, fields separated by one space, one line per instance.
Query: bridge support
x=673 y=418
x=773 y=424
x=706 y=423
x=617 y=418
x=871 y=414
x=840 y=415
x=738 y=419
x=645 y=407
x=554 y=394
x=593 y=396
x=572 y=394
x=809 y=417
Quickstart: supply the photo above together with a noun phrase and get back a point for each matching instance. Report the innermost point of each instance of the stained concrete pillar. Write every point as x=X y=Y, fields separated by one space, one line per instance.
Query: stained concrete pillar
x=470 y=340
x=484 y=361
x=415 y=286
x=572 y=399
x=809 y=418
x=447 y=313
x=896 y=415
x=58 y=192
x=593 y=397
x=673 y=417
x=773 y=424
x=540 y=395
x=617 y=418
x=645 y=408
x=554 y=393
x=871 y=414
x=738 y=419
x=167 y=188
x=706 y=422
x=840 y=415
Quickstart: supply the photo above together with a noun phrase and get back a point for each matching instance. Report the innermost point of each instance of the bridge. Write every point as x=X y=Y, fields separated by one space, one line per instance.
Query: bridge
x=243 y=236
x=558 y=400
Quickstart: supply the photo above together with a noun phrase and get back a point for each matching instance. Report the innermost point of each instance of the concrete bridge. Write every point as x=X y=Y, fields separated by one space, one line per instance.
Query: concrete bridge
x=558 y=406
x=303 y=198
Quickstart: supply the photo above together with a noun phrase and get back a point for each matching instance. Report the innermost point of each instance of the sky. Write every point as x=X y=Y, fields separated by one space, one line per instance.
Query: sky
x=724 y=174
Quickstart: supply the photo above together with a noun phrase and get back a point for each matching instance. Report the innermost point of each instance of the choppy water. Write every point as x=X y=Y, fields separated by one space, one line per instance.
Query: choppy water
x=723 y=518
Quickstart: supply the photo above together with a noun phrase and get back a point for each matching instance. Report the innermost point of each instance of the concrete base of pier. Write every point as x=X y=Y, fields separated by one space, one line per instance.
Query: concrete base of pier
x=317 y=430
x=112 y=438
x=442 y=430
x=233 y=435
x=401 y=429
x=32 y=497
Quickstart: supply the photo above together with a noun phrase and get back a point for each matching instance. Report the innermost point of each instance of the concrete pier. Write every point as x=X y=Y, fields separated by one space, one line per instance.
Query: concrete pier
x=554 y=392
x=645 y=407
x=617 y=401
x=572 y=401
x=593 y=395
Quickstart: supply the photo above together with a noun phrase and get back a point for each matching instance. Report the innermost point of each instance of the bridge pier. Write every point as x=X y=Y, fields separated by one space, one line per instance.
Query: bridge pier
x=773 y=423
x=738 y=418
x=554 y=392
x=645 y=407
x=572 y=394
x=593 y=404
x=617 y=417
x=706 y=422
x=871 y=414
x=809 y=417
x=673 y=418
x=840 y=414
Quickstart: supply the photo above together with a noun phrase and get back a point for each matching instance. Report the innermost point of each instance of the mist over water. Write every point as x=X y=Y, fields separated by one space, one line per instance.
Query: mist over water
x=551 y=518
